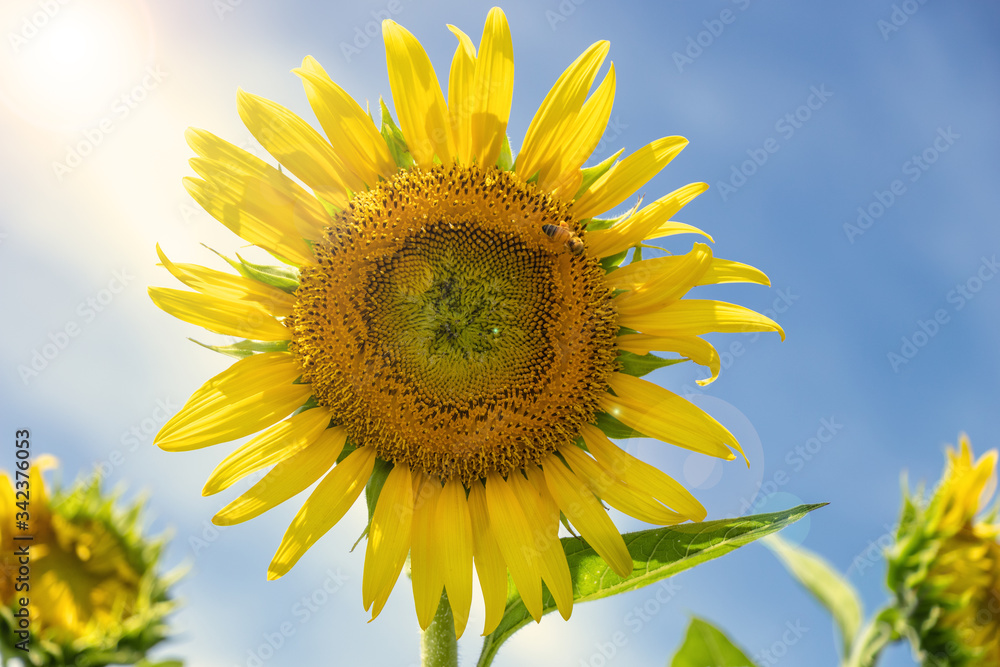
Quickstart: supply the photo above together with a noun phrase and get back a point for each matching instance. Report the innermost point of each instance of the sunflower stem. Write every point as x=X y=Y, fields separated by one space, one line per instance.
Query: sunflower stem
x=438 y=645
x=884 y=629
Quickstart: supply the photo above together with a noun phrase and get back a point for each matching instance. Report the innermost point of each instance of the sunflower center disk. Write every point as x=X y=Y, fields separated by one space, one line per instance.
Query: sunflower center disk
x=463 y=312
x=443 y=327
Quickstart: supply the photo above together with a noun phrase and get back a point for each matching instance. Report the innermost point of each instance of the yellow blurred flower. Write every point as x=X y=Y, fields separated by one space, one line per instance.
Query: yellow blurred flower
x=89 y=576
x=451 y=324
x=945 y=567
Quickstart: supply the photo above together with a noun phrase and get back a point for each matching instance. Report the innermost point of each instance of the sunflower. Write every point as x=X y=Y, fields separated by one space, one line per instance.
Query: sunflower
x=449 y=327
x=945 y=567
x=90 y=587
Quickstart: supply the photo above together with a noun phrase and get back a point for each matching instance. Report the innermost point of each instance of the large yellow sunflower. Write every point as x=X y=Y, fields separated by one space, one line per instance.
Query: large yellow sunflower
x=450 y=324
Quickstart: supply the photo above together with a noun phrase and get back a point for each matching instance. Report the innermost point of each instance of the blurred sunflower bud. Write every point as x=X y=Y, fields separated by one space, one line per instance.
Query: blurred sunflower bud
x=945 y=566
x=88 y=588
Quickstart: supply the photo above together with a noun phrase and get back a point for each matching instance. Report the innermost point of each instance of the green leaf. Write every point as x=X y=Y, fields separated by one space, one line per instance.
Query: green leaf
x=707 y=646
x=827 y=585
x=245 y=348
x=506 y=159
x=394 y=139
x=591 y=174
x=639 y=365
x=657 y=554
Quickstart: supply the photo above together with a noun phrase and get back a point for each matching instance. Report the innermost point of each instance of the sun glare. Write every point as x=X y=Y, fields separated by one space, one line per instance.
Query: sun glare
x=67 y=61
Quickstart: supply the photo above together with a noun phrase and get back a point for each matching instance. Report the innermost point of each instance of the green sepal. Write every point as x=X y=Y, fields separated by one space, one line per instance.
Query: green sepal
x=639 y=365
x=657 y=554
x=614 y=428
x=245 y=348
x=394 y=139
x=284 y=278
x=829 y=587
x=591 y=174
x=331 y=210
x=349 y=448
x=506 y=159
x=373 y=489
x=885 y=628
x=612 y=262
x=310 y=403
x=707 y=646
x=597 y=224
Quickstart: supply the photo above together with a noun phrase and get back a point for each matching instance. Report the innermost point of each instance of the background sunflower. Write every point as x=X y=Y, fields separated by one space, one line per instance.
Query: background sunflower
x=806 y=113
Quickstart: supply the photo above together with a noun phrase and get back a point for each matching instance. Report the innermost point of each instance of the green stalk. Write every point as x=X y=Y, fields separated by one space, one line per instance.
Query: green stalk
x=881 y=631
x=438 y=646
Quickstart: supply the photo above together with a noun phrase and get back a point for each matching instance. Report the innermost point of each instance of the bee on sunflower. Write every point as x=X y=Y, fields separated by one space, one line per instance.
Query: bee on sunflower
x=449 y=326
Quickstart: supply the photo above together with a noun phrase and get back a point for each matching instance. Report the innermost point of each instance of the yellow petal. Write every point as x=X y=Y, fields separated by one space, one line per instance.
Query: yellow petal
x=254 y=217
x=697 y=350
x=727 y=271
x=234 y=170
x=461 y=81
x=616 y=493
x=693 y=317
x=297 y=146
x=272 y=446
x=668 y=285
x=388 y=538
x=719 y=271
x=490 y=566
x=549 y=508
x=40 y=509
x=564 y=177
x=623 y=179
x=549 y=129
x=514 y=536
x=252 y=394
x=350 y=130
x=545 y=548
x=425 y=566
x=453 y=526
x=327 y=505
x=494 y=89
x=587 y=514
x=244 y=319
x=642 y=225
x=227 y=286
x=290 y=477
x=658 y=413
x=640 y=475
x=416 y=94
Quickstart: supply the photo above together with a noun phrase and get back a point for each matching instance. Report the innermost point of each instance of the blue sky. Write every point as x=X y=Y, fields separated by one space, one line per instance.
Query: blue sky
x=851 y=152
